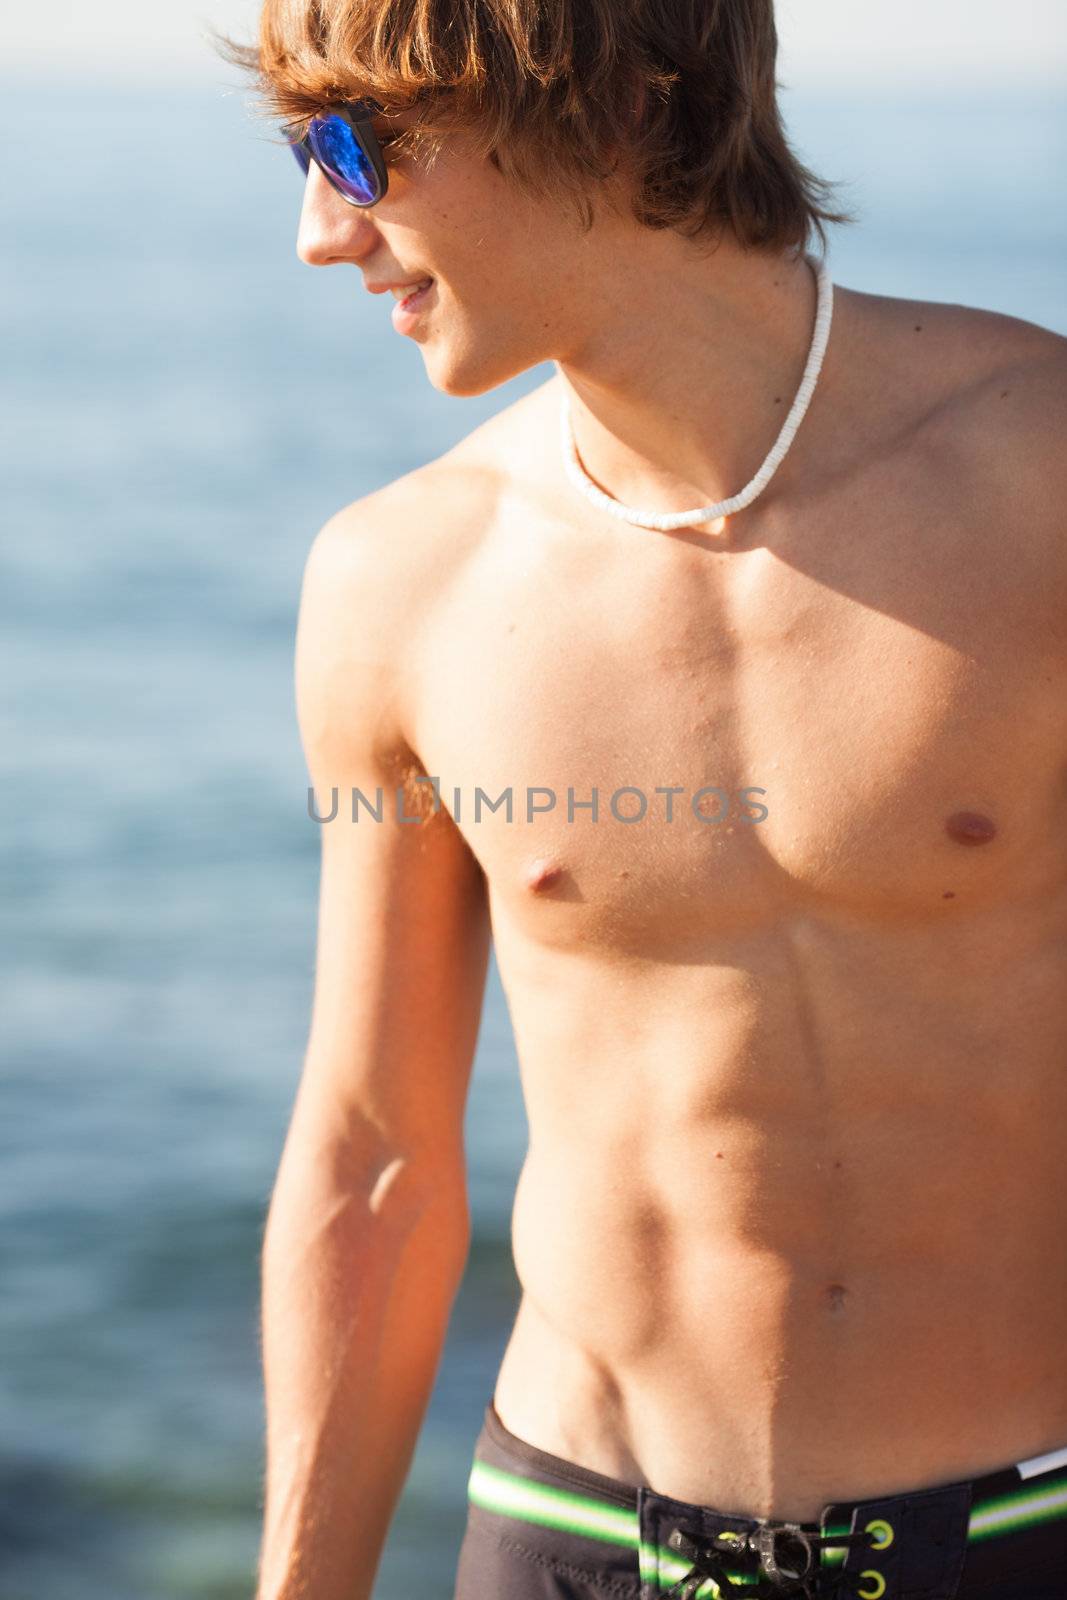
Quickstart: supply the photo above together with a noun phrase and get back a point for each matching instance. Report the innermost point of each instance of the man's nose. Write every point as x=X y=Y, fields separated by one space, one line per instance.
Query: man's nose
x=330 y=229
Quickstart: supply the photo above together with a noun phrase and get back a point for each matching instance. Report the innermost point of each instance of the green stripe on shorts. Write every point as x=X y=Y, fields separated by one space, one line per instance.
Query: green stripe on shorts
x=510 y=1495
x=1024 y=1508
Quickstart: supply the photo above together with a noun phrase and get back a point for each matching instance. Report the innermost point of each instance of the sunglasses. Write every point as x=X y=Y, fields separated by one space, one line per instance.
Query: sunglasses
x=343 y=145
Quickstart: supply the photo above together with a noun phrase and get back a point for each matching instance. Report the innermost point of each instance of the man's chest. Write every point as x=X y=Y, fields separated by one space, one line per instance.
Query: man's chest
x=688 y=738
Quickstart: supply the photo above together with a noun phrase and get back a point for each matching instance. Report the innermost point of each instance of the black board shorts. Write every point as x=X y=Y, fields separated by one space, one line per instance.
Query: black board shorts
x=542 y=1528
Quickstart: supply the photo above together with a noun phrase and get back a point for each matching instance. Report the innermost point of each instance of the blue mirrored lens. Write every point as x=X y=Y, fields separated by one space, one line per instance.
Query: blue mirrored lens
x=342 y=158
x=303 y=160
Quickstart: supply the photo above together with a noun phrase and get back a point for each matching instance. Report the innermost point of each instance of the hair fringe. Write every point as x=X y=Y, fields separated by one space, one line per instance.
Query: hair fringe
x=557 y=92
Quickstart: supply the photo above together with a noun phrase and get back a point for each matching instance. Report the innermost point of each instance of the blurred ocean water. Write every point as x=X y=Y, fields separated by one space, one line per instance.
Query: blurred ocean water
x=183 y=405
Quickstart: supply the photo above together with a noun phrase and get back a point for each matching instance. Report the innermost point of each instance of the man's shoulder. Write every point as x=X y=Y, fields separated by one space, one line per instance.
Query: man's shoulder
x=983 y=395
x=382 y=569
x=416 y=530
x=998 y=351
x=1008 y=414
x=940 y=355
x=378 y=573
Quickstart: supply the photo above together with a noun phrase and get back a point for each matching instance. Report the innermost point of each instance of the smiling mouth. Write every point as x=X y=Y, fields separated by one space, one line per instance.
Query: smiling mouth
x=410 y=292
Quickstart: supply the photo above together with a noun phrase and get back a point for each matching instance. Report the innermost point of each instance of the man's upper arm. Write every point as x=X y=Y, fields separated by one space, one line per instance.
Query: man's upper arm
x=403 y=928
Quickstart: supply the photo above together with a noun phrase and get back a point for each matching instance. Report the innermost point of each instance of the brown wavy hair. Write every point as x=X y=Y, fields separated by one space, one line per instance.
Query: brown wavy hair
x=555 y=92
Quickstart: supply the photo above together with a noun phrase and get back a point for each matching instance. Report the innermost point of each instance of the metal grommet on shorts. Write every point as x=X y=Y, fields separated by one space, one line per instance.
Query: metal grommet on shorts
x=906 y=1545
x=785 y=1552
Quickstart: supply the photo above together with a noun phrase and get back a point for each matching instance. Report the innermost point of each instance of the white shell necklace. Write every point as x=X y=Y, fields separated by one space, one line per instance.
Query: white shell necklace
x=725 y=508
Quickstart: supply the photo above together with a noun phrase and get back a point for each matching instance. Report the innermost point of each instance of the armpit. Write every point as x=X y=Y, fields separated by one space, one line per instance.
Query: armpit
x=402 y=769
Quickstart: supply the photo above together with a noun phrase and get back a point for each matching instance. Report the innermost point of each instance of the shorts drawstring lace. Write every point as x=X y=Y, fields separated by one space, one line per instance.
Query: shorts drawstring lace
x=788 y=1561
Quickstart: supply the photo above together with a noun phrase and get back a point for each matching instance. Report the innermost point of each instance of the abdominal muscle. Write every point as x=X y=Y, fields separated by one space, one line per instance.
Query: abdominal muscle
x=770 y=1261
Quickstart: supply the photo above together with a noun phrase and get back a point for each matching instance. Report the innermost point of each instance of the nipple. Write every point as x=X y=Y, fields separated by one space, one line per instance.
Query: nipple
x=543 y=874
x=970 y=827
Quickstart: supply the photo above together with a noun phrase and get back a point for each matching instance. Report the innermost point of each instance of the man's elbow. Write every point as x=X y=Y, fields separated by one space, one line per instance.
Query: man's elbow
x=370 y=1185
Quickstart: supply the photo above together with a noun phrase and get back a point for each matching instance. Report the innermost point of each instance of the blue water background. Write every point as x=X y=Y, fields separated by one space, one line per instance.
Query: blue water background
x=184 y=405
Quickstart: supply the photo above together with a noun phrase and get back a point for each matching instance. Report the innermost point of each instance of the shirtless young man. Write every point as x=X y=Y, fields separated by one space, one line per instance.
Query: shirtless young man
x=790 y=1231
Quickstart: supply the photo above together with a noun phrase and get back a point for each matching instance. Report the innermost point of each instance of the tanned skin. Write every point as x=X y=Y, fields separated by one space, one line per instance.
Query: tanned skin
x=790 y=1227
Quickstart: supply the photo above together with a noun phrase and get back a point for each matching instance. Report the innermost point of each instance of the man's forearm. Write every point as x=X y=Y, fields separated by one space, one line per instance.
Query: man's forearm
x=356 y=1302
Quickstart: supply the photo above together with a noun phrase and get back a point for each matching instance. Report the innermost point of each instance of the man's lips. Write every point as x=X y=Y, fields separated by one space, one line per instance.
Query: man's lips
x=413 y=292
x=393 y=288
x=412 y=304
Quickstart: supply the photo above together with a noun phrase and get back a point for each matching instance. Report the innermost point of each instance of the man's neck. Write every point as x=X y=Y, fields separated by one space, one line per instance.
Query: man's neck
x=686 y=368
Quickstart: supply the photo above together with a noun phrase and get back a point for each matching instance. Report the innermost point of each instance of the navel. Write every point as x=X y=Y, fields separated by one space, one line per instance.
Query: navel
x=543 y=874
x=970 y=827
x=836 y=1295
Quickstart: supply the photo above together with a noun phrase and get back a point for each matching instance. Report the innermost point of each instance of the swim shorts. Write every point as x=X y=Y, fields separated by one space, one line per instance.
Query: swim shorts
x=542 y=1528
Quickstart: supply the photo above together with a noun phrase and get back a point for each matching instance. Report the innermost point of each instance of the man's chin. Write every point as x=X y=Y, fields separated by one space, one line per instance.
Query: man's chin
x=469 y=373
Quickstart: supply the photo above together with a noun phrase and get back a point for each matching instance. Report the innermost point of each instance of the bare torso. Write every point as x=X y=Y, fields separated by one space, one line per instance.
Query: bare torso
x=791 y=1224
